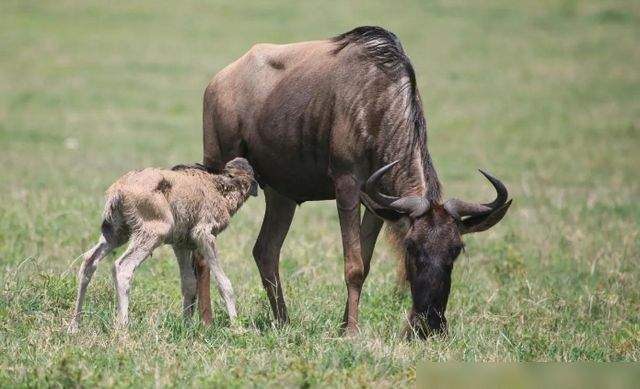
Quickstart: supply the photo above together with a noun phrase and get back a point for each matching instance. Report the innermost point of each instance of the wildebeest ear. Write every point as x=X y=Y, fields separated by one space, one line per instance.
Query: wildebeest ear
x=253 y=190
x=383 y=213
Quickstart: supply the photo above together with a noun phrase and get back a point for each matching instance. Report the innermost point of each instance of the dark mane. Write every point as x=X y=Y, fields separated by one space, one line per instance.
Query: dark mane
x=383 y=48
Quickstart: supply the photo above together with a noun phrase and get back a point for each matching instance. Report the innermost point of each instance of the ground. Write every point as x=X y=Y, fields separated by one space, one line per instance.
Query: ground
x=544 y=95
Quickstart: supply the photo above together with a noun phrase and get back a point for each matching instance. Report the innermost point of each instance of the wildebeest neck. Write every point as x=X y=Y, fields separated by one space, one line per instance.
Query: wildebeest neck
x=392 y=108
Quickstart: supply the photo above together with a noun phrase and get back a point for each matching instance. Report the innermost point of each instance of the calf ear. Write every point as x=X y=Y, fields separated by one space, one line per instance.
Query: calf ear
x=253 y=190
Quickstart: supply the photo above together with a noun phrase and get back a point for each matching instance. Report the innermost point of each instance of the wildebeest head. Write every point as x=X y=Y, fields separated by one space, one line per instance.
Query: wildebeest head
x=432 y=242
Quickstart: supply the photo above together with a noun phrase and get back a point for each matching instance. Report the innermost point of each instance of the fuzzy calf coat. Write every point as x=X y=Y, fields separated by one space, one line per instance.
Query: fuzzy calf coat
x=186 y=207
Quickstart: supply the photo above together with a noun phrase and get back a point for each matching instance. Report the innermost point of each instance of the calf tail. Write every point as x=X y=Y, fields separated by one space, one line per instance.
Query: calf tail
x=112 y=217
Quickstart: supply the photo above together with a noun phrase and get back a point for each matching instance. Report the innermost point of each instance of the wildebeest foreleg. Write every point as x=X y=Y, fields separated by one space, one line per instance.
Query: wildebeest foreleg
x=369 y=230
x=348 y=202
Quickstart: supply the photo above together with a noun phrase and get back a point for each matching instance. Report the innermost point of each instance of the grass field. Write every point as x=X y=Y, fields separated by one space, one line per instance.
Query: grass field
x=546 y=95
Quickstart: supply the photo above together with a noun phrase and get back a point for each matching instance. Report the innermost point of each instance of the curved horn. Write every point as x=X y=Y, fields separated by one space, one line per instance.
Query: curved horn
x=372 y=183
x=480 y=216
x=501 y=191
x=459 y=208
x=413 y=205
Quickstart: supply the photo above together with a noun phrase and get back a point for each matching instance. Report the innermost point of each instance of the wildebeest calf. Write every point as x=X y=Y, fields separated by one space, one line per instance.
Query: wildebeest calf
x=186 y=207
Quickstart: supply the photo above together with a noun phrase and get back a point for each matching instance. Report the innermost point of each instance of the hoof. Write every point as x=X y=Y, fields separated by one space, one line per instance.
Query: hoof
x=351 y=332
x=238 y=329
x=73 y=328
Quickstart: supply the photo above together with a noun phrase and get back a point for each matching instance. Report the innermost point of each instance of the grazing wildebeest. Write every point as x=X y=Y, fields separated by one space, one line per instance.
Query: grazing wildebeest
x=342 y=119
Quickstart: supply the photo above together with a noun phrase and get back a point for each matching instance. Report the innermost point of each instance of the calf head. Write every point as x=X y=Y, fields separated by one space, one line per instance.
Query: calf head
x=241 y=169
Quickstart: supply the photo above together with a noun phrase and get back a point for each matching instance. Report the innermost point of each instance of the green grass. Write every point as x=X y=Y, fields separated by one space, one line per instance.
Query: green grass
x=544 y=95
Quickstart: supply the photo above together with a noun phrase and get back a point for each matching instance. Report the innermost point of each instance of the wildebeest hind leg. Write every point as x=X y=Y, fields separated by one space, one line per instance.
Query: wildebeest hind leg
x=278 y=215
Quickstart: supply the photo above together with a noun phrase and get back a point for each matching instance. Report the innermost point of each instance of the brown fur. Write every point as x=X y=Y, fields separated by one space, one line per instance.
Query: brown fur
x=186 y=207
x=316 y=119
x=174 y=202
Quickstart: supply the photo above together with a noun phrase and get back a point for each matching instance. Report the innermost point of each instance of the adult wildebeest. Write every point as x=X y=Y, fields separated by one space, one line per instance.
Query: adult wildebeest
x=342 y=119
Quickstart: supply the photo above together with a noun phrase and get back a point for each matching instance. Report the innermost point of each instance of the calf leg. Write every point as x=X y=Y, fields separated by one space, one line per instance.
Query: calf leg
x=187 y=281
x=123 y=270
x=88 y=267
x=278 y=215
x=207 y=246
